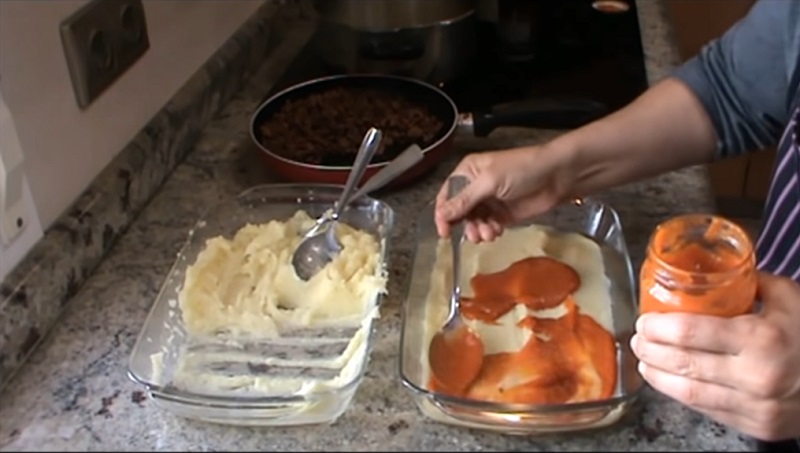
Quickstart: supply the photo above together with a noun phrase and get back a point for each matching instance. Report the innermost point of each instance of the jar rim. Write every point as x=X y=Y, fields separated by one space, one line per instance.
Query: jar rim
x=745 y=256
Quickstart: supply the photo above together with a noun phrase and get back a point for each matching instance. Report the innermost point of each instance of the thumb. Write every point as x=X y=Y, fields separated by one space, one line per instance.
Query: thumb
x=459 y=206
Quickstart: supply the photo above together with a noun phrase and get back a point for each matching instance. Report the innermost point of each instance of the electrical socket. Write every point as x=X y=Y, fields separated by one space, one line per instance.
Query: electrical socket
x=101 y=41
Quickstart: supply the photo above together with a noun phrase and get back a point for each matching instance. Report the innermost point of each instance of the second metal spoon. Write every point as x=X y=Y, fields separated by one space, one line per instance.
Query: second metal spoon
x=455 y=353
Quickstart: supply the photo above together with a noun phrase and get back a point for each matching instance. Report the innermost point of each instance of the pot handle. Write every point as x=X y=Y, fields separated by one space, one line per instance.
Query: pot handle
x=402 y=46
x=400 y=51
x=539 y=113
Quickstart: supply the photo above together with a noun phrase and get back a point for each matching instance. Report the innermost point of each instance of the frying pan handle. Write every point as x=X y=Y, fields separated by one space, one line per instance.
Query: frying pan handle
x=539 y=113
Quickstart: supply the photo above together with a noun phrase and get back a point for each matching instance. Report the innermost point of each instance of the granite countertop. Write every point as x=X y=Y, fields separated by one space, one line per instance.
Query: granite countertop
x=73 y=392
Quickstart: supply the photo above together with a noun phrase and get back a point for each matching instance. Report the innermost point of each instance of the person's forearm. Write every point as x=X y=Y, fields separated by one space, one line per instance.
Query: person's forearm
x=665 y=129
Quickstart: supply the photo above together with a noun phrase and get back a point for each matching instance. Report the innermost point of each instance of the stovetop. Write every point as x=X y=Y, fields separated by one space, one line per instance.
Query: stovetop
x=579 y=52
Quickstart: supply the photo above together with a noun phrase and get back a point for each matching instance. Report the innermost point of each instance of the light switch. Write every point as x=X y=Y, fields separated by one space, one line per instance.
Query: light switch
x=15 y=211
x=20 y=229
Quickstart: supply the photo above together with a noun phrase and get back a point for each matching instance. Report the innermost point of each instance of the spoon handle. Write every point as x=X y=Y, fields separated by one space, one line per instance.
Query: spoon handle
x=368 y=147
x=407 y=159
x=456 y=184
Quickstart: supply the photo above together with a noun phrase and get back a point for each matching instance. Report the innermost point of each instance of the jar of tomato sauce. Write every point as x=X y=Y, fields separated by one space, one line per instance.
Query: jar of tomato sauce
x=698 y=263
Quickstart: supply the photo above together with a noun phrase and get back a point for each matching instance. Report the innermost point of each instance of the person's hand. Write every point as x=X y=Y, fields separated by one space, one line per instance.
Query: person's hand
x=742 y=371
x=505 y=187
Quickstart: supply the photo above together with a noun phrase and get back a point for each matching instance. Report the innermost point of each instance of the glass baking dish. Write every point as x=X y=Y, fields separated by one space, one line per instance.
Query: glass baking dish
x=592 y=219
x=163 y=345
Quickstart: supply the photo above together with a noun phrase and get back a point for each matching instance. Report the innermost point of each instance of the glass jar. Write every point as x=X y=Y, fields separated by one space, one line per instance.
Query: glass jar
x=698 y=263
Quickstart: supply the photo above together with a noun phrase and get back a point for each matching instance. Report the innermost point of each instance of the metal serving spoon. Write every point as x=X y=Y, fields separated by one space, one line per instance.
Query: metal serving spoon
x=319 y=245
x=455 y=354
x=405 y=160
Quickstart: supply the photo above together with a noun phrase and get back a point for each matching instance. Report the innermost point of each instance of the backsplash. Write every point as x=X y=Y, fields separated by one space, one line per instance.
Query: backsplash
x=35 y=293
x=65 y=147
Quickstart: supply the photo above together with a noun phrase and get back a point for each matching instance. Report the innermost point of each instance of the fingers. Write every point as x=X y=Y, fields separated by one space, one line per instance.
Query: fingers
x=496 y=227
x=483 y=216
x=478 y=232
x=442 y=225
x=692 y=392
x=486 y=226
x=442 y=220
x=477 y=202
x=692 y=331
x=482 y=230
x=693 y=364
x=456 y=208
x=459 y=206
x=471 y=232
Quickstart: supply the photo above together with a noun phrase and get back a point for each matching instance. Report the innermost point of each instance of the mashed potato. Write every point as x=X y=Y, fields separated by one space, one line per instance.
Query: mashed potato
x=247 y=285
x=255 y=328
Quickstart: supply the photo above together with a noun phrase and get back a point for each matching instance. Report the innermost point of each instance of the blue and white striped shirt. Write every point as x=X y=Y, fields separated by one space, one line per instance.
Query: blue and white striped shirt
x=747 y=80
x=778 y=246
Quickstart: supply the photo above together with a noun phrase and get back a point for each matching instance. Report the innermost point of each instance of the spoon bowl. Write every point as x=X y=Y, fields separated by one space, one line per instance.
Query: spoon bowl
x=325 y=238
x=455 y=353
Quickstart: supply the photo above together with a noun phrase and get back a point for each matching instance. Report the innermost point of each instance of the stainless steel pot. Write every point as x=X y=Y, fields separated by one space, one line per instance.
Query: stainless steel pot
x=430 y=40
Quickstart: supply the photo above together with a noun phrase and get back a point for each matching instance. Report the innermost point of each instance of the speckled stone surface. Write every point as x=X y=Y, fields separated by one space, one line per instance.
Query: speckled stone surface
x=73 y=393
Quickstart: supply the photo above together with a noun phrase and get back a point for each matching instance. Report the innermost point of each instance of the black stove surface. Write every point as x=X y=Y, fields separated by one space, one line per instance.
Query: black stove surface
x=579 y=52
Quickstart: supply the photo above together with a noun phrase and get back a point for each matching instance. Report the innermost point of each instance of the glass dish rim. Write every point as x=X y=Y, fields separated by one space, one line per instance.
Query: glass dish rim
x=306 y=190
x=440 y=399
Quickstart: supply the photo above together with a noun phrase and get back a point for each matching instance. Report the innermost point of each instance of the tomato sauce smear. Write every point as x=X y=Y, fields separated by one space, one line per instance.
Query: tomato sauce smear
x=567 y=359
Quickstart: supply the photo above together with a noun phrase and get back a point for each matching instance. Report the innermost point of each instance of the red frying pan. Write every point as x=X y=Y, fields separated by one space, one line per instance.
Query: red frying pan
x=544 y=114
